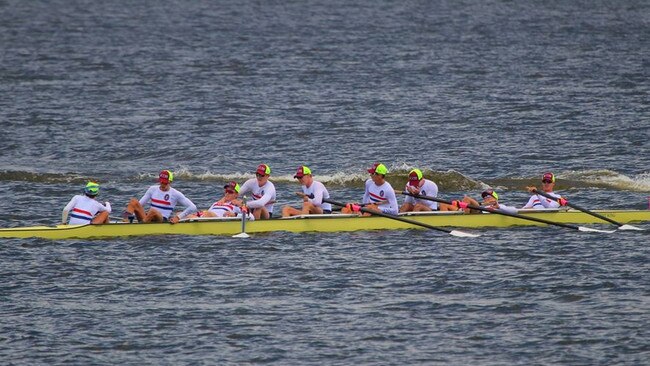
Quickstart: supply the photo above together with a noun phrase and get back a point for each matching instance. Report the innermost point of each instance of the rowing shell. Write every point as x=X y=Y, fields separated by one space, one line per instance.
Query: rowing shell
x=318 y=223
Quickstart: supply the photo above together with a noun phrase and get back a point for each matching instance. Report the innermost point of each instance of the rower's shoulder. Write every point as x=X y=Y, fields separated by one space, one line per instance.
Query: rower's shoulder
x=428 y=182
x=175 y=191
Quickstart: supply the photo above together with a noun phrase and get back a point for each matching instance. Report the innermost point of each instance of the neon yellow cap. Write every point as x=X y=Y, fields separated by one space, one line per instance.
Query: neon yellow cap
x=232 y=186
x=415 y=176
x=378 y=168
x=166 y=176
x=490 y=192
x=91 y=189
x=302 y=171
x=263 y=169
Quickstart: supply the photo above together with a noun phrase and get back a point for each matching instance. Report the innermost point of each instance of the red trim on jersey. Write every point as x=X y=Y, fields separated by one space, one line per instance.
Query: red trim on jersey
x=161 y=202
x=82 y=211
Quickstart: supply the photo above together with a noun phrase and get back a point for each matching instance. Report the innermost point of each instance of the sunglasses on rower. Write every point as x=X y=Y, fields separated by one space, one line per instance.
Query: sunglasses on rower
x=487 y=193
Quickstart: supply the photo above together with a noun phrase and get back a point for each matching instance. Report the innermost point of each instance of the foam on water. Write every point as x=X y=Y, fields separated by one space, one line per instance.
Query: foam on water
x=450 y=180
x=605 y=178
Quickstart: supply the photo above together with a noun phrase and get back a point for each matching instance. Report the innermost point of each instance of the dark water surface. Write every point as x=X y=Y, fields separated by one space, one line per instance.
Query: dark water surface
x=475 y=93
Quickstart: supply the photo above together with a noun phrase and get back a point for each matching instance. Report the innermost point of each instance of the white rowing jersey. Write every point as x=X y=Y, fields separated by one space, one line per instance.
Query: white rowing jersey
x=263 y=196
x=318 y=191
x=430 y=189
x=383 y=196
x=166 y=201
x=221 y=208
x=540 y=202
x=503 y=208
x=82 y=209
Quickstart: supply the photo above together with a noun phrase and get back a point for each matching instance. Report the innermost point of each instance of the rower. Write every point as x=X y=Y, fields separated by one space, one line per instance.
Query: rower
x=540 y=202
x=379 y=194
x=417 y=184
x=312 y=195
x=85 y=209
x=163 y=199
x=228 y=206
x=489 y=199
x=263 y=192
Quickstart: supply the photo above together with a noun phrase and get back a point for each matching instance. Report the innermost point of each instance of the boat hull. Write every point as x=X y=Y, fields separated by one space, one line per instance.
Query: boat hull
x=317 y=223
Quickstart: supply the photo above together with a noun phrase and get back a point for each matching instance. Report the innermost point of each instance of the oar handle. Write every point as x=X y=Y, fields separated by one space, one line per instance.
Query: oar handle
x=488 y=209
x=577 y=207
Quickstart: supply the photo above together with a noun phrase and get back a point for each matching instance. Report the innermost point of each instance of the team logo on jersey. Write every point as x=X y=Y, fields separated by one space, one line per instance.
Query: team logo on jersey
x=423 y=193
x=262 y=193
x=167 y=197
x=381 y=193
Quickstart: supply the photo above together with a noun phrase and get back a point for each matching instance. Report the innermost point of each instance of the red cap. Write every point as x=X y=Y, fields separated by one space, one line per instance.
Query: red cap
x=232 y=187
x=414 y=180
x=263 y=169
x=302 y=171
x=549 y=177
x=378 y=168
x=165 y=177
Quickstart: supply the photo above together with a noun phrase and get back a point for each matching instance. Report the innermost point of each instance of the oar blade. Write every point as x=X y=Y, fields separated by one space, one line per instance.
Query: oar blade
x=462 y=234
x=241 y=235
x=592 y=230
x=630 y=227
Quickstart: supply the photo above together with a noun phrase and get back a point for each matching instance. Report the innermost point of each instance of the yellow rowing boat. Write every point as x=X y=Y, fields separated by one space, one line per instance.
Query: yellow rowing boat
x=320 y=223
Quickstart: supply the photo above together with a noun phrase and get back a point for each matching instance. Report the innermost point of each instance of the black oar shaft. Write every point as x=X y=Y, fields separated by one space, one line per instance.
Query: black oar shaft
x=379 y=213
x=579 y=208
x=487 y=209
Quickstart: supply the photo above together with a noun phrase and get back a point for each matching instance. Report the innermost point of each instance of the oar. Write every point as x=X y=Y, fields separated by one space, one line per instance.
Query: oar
x=243 y=221
x=116 y=219
x=379 y=213
x=500 y=212
x=595 y=214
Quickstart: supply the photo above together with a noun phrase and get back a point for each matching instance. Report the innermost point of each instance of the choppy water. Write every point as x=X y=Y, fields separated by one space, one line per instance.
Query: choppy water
x=475 y=93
